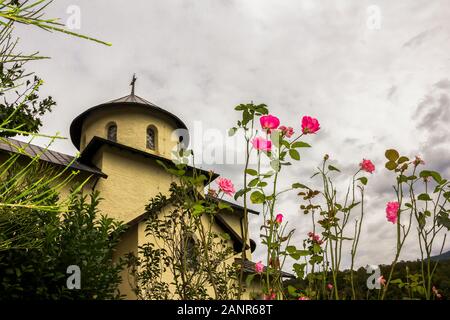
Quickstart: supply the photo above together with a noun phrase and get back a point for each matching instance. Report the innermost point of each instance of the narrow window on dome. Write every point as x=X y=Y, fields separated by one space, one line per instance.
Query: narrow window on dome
x=111 y=133
x=151 y=138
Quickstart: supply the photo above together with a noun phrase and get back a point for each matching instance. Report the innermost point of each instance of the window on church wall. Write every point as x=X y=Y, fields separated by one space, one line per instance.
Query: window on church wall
x=189 y=252
x=151 y=138
x=111 y=132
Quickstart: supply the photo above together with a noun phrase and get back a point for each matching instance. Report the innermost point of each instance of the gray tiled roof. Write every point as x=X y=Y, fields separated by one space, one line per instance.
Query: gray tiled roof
x=134 y=99
x=47 y=155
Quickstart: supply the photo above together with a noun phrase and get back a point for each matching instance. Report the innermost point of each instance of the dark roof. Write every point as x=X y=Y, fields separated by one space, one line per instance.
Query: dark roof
x=234 y=236
x=97 y=142
x=47 y=155
x=249 y=266
x=234 y=205
x=132 y=99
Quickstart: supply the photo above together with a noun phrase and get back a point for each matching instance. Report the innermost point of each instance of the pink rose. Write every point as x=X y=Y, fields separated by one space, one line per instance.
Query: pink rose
x=226 y=186
x=382 y=281
x=315 y=238
x=261 y=144
x=392 y=211
x=287 y=131
x=367 y=165
x=271 y=296
x=304 y=298
x=310 y=125
x=279 y=218
x=259 y=267
x=269 y=122
x=330 y=286
x=418 y=161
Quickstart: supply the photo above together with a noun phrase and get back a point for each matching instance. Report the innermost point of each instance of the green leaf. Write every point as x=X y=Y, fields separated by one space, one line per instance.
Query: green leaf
x=421 y=220
x=246 y=117
x=300 y=144
x=296 y=254
x=269 y=174
x=262 y=184
x=299 y=269
x=424 y=197
x=251 y=172
x=162 y=164
x=294 y=154
x=399 y=281
x=198 y=209
x=240 y=193
x=275 y=165
x=402 y=159
x=424 y=174
x=254 y=182
x=291 y=249
x=363 y=180
x=436 y=176
x=225 y=236
x=316 y=248
x=299 y=186
x=232 y=131
x=292 y=291
x=257 y=197
x=249 y=279
x=285 y=143
x=392 y=154
x=391 y=165
x=443 y=220
x=224 y=206
x=332 y=168
x=176 y=172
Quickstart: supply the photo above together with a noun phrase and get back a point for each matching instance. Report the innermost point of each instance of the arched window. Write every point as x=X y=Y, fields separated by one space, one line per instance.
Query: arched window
x=189 y=252
x=111 y=132
x=151 y=138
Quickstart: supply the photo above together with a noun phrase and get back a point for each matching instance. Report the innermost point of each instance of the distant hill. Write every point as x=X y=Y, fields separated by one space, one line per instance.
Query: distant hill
x=441 y=257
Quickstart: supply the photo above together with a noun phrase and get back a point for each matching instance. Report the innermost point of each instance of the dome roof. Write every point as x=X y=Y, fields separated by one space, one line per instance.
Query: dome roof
x=132 y=99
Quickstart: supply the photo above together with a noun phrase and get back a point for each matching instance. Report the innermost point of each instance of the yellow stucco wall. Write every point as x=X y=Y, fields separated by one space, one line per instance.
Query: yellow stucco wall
x=132 y=181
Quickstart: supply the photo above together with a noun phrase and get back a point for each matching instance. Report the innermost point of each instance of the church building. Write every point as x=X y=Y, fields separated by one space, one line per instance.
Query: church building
x=120 y=142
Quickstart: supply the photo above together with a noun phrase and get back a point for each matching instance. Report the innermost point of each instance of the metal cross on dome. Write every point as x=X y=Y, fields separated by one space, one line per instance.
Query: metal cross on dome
x=132 y=84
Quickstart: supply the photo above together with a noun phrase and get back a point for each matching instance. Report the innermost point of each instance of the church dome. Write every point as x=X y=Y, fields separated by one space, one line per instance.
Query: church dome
x=121 y=103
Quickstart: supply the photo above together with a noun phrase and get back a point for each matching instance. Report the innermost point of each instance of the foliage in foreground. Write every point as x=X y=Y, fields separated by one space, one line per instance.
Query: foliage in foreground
x=184 y=258
x=407 y=283
x=80 y=237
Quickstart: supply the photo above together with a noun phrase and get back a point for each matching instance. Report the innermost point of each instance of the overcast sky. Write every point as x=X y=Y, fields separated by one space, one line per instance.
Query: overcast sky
x=372 y=86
